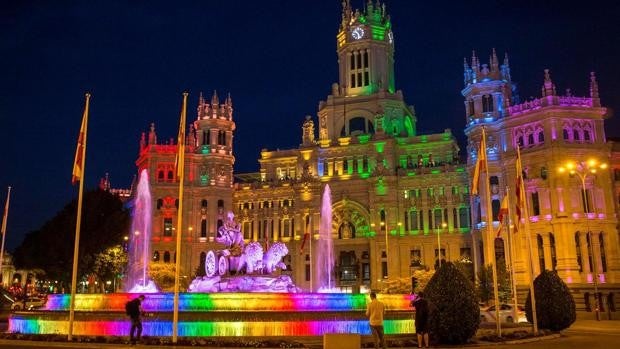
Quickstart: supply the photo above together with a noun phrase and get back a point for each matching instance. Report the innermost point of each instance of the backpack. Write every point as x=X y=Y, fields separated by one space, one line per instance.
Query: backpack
x=128 y=308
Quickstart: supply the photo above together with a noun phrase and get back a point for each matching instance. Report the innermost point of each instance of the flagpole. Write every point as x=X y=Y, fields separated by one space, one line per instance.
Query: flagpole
x=512 y=260
x=491 y=237
x=4 y=219
x=78 y=223
x=526 y=214
x=179 y=230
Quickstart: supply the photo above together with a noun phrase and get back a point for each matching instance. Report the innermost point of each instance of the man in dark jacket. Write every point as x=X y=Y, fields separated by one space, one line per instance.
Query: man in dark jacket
x=422 y=314
x=134 y=311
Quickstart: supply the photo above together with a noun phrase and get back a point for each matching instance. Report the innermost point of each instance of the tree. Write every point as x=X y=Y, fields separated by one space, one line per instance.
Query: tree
x=484 y=286
x=455 y=315
x=163 y=276
x=423 y=277
x=104 y=223
x=110 y=264
x=555 y=306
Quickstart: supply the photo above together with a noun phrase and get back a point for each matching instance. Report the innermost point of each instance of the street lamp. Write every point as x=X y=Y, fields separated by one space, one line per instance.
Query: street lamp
x=444 y=225
x=582 y=169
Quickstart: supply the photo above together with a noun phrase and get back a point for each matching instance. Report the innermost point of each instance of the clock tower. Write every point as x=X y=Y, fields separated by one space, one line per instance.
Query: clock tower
x=366 y=50
x=364 y=103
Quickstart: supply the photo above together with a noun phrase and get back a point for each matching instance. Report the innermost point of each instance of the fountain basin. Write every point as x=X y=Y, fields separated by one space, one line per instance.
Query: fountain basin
x=221 y=314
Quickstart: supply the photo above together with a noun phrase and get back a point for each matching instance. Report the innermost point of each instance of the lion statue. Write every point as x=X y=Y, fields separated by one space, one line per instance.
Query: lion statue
x=252 y=258
x=273 y=257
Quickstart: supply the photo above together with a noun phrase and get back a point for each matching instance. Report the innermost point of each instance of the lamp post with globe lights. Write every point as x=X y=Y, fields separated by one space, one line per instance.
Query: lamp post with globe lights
x=444 y=225
x=583 y=169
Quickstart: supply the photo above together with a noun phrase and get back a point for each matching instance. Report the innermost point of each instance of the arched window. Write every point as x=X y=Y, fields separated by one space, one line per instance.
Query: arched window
x=382 y=220
x=204 y=203
x=586 y=135
x=553 y=255
x=160 y=176
x=220 y=203
x=576 y=135
x=541 y=252
x=203 y=228
x=565 y=134
x=170 y=175
x=160 y=203
x=471 y=107
x=530 y=139
x=155 y=256
x=603 y=258
x=166 y=257
x=487 y=103
x=541 y=137
x=520 y=141
x=578 y=249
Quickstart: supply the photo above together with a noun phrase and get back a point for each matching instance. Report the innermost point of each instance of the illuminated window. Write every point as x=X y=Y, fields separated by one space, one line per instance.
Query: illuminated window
x=167 y=226
x=155 y=256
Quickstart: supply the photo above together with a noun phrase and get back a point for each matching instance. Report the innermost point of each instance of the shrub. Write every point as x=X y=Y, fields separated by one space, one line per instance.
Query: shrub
x=555 y=306
x=456 y=316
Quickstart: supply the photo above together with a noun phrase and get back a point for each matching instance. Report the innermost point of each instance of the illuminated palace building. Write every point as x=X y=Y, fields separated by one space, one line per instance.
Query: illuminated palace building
x=400 y=199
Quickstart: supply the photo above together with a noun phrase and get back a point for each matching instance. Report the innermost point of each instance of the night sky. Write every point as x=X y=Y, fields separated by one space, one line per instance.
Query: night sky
x=276 y=58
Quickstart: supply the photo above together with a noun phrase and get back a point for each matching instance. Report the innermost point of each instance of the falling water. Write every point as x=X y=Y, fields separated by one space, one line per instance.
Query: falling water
x=140 y=236
x=325 y=251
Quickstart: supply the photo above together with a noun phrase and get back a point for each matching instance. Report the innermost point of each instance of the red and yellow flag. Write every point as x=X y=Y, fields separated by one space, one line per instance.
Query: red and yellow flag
x=519 y=190
x=180 y=157
x=503 y=212
x=78 y=164
x=480 y=164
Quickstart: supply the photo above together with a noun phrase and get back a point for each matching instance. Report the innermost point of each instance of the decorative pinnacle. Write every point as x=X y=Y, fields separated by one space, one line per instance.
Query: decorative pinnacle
x=593 y=86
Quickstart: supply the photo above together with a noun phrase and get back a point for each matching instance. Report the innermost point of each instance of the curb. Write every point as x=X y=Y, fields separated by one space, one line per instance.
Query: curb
x=518 y=341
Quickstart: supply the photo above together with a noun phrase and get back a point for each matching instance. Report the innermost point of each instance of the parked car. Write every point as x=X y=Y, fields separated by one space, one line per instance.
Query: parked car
x=28 y=303
x=488 y=314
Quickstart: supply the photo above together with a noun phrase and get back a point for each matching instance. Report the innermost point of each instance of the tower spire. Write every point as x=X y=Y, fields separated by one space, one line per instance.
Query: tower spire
x=596 y=100
x=475 y=65
x=494 y=64
x=215 y=100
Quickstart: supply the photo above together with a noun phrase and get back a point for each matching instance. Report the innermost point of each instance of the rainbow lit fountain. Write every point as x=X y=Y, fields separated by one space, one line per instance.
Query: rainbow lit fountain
x=325 y=252
x=138 y=250
x=221 y=314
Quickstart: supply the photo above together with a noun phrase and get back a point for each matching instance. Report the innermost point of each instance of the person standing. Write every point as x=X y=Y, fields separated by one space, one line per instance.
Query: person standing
x=421 y=319
x=375 y=311
x=134 y=310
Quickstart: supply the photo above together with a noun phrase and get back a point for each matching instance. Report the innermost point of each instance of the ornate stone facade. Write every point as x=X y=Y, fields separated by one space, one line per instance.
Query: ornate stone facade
x=572 y=232
x=396 y=194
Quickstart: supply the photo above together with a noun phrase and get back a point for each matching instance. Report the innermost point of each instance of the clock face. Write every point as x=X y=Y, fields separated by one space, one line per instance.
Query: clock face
x=357 y=33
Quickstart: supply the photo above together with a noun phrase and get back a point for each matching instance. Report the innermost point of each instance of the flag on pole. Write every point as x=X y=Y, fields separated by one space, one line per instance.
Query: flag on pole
x=503 y=212
x=303 y=242
x=78 y=164
x=181 y=138
x=480 y=163
x=519 y=190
